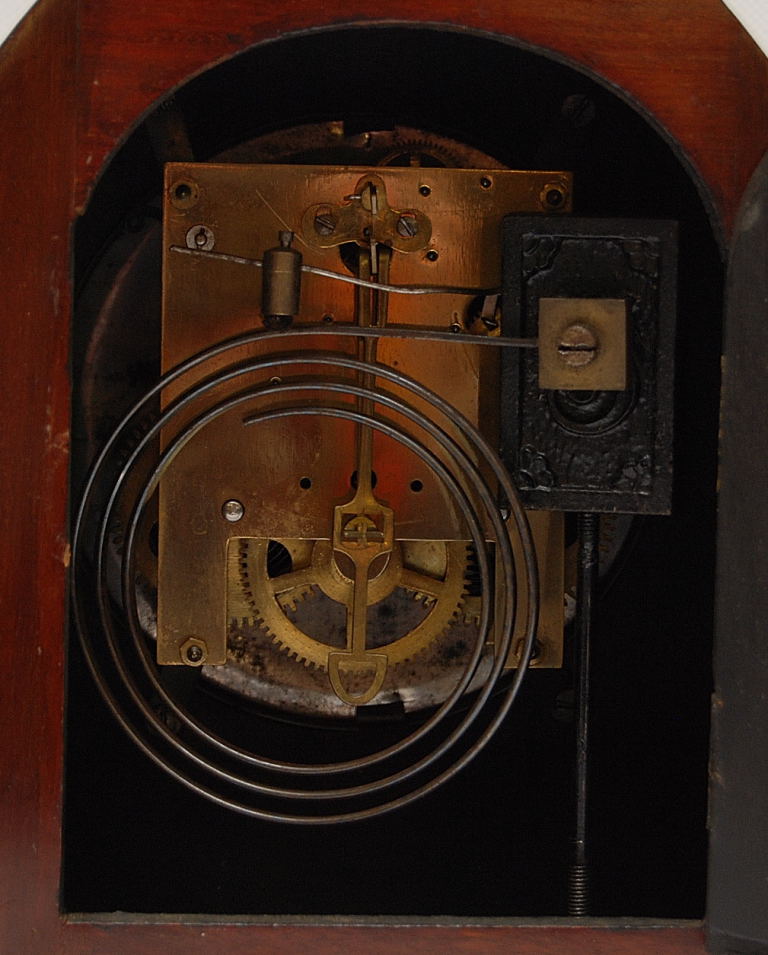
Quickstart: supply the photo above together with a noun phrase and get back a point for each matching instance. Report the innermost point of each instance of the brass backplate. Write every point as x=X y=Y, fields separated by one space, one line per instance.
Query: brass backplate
x=288 y=475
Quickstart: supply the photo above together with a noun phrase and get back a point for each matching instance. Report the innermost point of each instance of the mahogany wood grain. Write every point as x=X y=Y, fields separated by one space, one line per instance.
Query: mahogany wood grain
x=37 y=147
x=73 y=79
x=480 y=940
x=688 y=63
x=169 y=939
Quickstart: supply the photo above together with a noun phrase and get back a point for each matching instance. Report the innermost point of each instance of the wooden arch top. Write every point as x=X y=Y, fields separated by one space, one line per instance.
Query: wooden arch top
x=74 y=78
x=689 y=64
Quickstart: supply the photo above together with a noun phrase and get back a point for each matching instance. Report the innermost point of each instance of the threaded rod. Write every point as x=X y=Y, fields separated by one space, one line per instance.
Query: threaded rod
x=586 y=583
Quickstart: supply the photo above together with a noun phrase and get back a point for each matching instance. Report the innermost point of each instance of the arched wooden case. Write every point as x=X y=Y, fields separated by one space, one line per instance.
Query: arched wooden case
x=76 y=78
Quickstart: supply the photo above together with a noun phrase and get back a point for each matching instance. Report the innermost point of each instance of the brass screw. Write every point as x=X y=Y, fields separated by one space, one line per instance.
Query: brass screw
x=577 y=346
x=325 y=223
x=200 y=237
x=407 y=226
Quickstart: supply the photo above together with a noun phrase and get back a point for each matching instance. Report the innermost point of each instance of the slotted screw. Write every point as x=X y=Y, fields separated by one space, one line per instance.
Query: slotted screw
x=325 y=223
x=577 y=346
x=407 y=226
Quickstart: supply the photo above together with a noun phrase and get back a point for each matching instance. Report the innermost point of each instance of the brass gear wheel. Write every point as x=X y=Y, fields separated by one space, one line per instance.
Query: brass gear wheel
x=421 y=152
x=433 y=572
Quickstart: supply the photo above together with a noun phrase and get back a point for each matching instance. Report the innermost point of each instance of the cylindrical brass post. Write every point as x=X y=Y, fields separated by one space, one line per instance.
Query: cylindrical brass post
x=281 y=283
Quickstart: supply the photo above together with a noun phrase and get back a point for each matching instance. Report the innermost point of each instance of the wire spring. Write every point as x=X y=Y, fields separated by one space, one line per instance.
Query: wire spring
x=578 y=890
x=251 y=782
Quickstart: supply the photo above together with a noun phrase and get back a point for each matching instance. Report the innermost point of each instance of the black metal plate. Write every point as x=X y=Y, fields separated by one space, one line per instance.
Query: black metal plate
x=608 y=451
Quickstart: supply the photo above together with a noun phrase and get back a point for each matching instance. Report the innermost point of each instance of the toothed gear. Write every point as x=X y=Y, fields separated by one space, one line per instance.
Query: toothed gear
x=438 y=151
x=433 y=573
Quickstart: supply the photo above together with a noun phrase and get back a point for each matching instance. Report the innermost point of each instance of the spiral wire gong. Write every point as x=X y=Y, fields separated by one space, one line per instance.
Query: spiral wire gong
x=119 y=652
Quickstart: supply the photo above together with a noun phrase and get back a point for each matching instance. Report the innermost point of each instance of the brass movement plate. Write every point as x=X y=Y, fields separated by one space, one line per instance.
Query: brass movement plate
x=288 y=475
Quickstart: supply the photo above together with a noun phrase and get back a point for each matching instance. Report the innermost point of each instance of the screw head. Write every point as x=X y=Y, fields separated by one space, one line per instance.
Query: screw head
x=325 y=223
x=193 y=652
x=577 y=346
x=232 y=511
x=579 y=110
x=407 y=225
x=200 y=237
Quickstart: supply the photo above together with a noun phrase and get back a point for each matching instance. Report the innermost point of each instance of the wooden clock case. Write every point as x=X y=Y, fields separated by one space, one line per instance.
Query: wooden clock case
x=76 y=77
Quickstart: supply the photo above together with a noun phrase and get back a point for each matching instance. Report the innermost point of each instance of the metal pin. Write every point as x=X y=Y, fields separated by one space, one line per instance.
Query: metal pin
x=232 y=511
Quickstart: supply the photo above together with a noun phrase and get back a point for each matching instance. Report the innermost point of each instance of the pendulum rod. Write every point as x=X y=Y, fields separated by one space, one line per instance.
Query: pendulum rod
x=363 y=528
x=371 y=311
x=587 y=571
